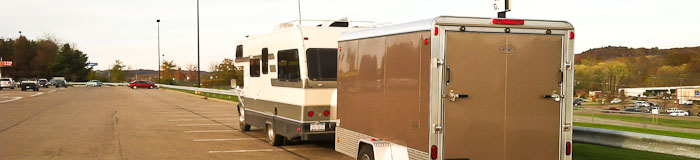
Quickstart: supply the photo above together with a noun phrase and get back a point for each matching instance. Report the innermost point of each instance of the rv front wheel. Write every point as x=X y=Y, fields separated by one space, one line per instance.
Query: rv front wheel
x=241 y=120
x=366 y=153
x=274 y=138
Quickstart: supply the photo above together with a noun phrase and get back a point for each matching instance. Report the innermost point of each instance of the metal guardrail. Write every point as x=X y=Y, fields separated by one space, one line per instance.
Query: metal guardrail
x=231 y=92
x=106 y=84
x=638 y=141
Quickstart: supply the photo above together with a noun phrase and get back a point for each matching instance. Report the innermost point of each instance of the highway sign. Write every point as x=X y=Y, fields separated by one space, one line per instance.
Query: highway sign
x=92 y=64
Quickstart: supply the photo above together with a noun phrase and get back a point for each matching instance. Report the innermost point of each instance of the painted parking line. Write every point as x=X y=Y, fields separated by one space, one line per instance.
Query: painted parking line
x=206 y=124
x=194 y=115
x=182 y=120
x=36 y=94
x=225 y=139
x=10 y=100
x=263 y=150
x=51 y=91
x=189 y=112
x=212 y=131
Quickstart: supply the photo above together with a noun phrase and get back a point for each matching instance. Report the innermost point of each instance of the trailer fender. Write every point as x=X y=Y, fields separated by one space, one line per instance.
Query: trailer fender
x=385 y=150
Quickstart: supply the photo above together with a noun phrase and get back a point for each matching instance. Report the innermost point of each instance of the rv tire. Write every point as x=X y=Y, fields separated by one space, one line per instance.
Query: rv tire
x=241 y=120
x=366 y=152
x=274 y=138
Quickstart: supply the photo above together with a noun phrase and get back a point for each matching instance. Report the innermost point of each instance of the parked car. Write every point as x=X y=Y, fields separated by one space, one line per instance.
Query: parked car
x=630 y=110
x=29 y=83
x=93 y=83
x=681 y=113
x=578 y=102
x=642 y=103
x=142 y=84
x=611 y=109
x=698 y=114
x=616 y=100
x=44 y=83
x=59 y=83
x=7 y=83
x=673 y=110
x=652 y=108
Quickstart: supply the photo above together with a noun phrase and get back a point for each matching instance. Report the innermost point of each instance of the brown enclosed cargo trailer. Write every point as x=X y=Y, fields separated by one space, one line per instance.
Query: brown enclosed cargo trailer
x=456 y=88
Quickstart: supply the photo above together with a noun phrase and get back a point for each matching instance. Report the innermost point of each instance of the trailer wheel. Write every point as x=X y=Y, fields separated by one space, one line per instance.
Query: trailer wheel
x=274 y=138
x=241 y=120
x=366 y=153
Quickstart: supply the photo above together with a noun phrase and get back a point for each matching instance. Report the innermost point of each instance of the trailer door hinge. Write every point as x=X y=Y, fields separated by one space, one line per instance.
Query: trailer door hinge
x=567 y=127
x=439 y=62
x=438 y=128
x=567 y=65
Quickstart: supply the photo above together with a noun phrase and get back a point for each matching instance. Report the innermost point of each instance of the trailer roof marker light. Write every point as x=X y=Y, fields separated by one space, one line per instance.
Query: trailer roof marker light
x=306 y=38
x=436 y=31
x=571 y=35
x=508 y=21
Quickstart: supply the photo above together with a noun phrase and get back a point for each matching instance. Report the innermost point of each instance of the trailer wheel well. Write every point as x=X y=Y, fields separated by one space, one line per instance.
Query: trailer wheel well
x=361 y=146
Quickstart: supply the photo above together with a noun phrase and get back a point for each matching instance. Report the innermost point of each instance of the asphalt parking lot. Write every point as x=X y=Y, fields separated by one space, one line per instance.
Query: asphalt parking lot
x=122 y=123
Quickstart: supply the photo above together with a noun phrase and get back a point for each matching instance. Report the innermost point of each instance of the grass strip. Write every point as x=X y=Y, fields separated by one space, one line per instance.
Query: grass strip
x=648 y=120
x=640 y=130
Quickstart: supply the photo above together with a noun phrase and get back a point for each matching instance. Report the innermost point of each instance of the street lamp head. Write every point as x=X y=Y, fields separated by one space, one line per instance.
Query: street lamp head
x=158 y=20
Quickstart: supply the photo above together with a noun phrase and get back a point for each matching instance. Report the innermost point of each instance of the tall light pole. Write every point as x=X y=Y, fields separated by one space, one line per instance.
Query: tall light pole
x=158 y=66
x=199 y=83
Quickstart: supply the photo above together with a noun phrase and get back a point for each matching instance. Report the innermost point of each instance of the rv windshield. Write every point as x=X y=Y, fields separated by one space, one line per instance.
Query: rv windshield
x=322 y=63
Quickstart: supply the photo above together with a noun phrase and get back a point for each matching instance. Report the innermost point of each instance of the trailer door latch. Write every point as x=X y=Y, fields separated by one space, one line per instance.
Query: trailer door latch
x=554 y=96
x=453 y=96
x=437 y=128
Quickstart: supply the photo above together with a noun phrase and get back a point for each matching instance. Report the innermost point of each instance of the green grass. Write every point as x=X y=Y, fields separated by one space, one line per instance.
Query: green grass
x=648 y=119
x=640 y=130
x=210 y=95
x=583 y=151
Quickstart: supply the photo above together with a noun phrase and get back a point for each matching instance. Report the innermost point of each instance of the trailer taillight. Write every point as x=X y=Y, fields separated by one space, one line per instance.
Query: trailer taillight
x=326 y=113
x=425 y=41
x=433 y=152
x=568 y=148
x=508 y=21
x=310 y=113
x=571 y=35
x=436 y=31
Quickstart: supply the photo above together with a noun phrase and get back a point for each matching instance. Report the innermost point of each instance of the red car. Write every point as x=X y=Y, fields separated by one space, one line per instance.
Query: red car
x=142 y=84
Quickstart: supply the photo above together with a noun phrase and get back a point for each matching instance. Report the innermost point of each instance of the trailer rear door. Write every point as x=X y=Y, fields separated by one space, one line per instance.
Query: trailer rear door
x=499 y=82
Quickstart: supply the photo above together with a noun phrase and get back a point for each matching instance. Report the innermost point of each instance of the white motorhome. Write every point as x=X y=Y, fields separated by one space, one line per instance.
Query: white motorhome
x=456 y=88
x=289 y=76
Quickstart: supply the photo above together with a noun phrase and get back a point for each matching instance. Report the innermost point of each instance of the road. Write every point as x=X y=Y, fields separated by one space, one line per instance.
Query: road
x=122 y=123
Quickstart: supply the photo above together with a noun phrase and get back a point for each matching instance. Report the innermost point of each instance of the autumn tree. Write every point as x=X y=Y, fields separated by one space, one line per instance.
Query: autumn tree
x=117 y=74
x=168 y=72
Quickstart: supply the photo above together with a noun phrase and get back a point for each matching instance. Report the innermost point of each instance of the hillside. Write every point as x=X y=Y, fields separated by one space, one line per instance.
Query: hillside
x=613 y=52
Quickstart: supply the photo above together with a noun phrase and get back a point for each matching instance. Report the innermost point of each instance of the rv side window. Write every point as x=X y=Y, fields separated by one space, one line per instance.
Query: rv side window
x=322 y=63
x=239 y=51
x=254 y=67
x=288 y=65
x=264 y=61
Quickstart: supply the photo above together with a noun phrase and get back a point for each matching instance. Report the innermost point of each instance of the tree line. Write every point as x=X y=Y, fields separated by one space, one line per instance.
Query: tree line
x=610 y=68
x=43 y=58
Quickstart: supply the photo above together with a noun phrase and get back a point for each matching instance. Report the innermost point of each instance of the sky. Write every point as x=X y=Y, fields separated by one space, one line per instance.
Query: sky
x=126 y=30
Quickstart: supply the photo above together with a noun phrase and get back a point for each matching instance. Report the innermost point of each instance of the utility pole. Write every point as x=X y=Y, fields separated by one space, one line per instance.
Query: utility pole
x=158 y=66
x=199 y=82
x=299 y=5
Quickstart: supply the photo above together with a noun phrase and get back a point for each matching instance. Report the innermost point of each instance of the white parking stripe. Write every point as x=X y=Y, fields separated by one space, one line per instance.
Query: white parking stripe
x=181 y=120
x=225 y=139
x=36 y=94
x=51 y=91
x=211 y=131
x=10 y=100
x=194 y=115
x=208 y=124
x=263 y=150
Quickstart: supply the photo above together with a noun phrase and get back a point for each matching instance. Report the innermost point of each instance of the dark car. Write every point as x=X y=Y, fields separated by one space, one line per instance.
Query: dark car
x=44 y=83
x=29 y=83
x=611 y=109
x=59 y=83
x=630 y=110
x=578 y=102
x=142 y=84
